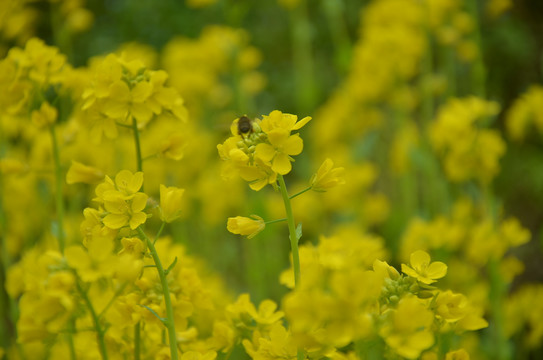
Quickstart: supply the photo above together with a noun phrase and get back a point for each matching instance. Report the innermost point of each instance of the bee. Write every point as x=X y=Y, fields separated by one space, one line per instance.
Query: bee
x=245 y=125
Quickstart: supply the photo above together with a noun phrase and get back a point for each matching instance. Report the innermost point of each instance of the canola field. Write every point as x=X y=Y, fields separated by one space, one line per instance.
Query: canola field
x=271 y=180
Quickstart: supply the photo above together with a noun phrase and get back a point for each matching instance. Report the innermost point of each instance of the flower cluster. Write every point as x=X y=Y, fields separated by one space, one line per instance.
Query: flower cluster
x=331 y=310
x=468 y=150
x=263 y=150
x=122 y=91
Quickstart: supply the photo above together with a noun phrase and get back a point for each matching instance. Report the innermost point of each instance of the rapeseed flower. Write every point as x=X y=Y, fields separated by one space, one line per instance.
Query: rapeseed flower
x=265 y=150
x=45 y=116
x=246 y=226
x=409 y=331
x=422 y=270
x=81 y=173
x=170 y=203
x=327 y=177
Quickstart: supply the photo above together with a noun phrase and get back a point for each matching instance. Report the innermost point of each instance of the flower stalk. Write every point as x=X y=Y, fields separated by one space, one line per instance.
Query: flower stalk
x=100 y=332
x=291 y=229
x=169 y=321
x=139 y=158
x=58 y=191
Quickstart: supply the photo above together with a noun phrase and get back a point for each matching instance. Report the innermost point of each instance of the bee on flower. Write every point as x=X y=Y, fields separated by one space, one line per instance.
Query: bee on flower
x=261 y=149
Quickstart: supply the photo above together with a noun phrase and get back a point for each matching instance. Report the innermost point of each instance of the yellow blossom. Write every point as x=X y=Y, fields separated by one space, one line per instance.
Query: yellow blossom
x=122 y=212
x=246 y=226
x=81 y=173
x=173 y=147
x=132 y=245
x=45 y=116
x=327 y=176
x=170 y=202
x=282 y=146
x=408 y=332
x=451 y=307
x=128 y=183
x=422 y=270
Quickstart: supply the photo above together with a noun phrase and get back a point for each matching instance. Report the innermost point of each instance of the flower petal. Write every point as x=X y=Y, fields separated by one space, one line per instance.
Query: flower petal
x=419 y=258
x=115 y=221
x=301 y=123
x=137 y=219
x=265 y=152
x=281 y=164
x=139 y=202
x=436 y=270
x=293 y=145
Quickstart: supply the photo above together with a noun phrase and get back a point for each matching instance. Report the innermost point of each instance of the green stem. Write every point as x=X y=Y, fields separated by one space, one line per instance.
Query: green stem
x=293 y=242
x=291 y=230
x=450 y=64
x=112 y=300
x=169 y=322
x=137 y=337
x=333 y=10
x=478 y=71
x=138 y=146
x=159 y=231
x=58 y=195
x=303 y=59
x=300 y=192
x=71 y=345
x=275 y=221
x=100 y=332
x=498 y=291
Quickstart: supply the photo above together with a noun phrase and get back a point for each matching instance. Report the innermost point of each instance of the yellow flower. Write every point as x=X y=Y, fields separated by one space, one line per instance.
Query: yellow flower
x=246 y=226
x=170 y=202
x=80 y=173
x=174 y=146
x=278 y=152
x=422 y=270
x=279 y=120
x=11 y=166
x=279 y=345
x=45 y=116
x=128 y=267
x=408 y=332
x=124 y=212
x=128 y=183
x=95 y=263
x=459 y=354
x=258 y=176
x=327 y=177
x=132 y=245
x=450 y=306
x=194 y=355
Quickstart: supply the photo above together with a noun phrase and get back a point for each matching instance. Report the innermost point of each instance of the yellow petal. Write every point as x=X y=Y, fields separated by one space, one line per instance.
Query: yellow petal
x=139 y=202
x=115 y=221
x=80 y=173
x=419 y=258
x=409 y=271
x=77 y=257
x=281 y=164
x=293 y=145
x=278 y=136
x=141 y=91
x=265 y=152
x=436 y=270
x=301 y=123
x=137 y=219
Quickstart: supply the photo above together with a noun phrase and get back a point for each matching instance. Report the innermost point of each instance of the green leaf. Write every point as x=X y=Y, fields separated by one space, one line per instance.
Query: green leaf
x=163 y=320
x=170 y=267
x=299 y=232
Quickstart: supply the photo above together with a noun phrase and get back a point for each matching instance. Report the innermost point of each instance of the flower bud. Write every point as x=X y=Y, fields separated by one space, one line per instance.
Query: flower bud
x=327 y=177
x=170 y=202
x=246 y=226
